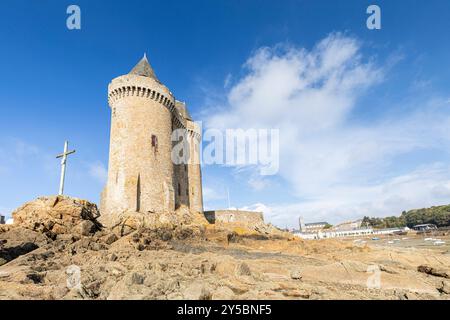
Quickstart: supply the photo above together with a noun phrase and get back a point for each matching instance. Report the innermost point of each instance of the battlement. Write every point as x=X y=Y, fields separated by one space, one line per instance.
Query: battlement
x=138 y=86
x=193 y=129
x=147 y=88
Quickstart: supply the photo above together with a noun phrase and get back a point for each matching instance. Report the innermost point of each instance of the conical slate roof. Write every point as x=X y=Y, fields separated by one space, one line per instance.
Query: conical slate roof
x=144 y=69
x=181 y=107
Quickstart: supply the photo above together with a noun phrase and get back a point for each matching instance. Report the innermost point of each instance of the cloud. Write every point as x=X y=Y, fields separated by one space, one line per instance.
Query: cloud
x=423 y=187
x=98 y=171
x=337 y=166
x=258 y=183
x=258 y=207
x=210 y=194
x=227 y=81
x=14 y=152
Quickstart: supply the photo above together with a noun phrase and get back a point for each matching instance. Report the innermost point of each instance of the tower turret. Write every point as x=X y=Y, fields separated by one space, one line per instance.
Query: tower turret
x=140 y=171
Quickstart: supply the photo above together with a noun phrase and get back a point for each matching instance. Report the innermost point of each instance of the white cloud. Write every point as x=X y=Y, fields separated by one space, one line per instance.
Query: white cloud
x=15 y=152
x=259 y=207
x=423 y=187
x=338 y=167
x=258 y=183
x=227 y=81
x=98 y=171
x=210 y=194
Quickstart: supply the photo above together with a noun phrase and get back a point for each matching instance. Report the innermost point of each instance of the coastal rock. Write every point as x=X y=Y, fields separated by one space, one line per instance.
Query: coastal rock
x=58 y=215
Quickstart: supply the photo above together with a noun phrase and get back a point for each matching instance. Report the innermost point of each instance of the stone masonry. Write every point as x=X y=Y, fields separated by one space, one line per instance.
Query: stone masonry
x=142 y=176
x=234 y=216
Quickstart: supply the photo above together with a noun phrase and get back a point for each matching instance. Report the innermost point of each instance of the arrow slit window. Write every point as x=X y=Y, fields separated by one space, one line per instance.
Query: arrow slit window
x=154 y=143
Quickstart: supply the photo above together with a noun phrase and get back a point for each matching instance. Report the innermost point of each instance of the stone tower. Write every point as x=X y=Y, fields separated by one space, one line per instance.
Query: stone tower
x=141 y=174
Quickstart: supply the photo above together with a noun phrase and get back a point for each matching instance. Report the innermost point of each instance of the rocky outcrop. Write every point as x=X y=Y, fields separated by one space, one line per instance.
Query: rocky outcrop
x=437 y=272
x=15 y=242
x=44 y=220
x=127 y=222
x=58 y=215
x=182 y=256
x=159 y=264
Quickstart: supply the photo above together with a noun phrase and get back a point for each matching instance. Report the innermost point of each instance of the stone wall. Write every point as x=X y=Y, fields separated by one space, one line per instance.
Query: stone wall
x=194 y=168
x=140 y=172
x=187 y=175
x=234 y=216
x=142 y=176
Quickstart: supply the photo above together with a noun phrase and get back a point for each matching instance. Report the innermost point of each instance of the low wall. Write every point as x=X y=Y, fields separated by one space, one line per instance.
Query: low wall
x=228 y=216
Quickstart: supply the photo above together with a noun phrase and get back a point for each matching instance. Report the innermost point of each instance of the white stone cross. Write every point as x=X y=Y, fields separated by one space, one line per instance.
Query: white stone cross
x=63 y=157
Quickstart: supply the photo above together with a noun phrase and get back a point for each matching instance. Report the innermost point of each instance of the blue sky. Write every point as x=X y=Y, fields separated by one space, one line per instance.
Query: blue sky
x=383 y=146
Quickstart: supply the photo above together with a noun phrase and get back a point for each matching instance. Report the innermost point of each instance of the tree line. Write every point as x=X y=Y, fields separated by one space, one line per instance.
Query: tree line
x=440 y=216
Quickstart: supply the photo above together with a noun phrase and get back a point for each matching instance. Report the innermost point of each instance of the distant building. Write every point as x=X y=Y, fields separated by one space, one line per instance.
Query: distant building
x=315 y=226
x=311 y=227
x=360 y=232
x=348 y=225
x=318 y=230
x=425 y=227
x=2 y=219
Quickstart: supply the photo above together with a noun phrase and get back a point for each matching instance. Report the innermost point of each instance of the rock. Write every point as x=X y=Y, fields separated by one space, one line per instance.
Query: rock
x=243 y=270
x=4 y=228
x=116 y=271
x=125 y=223
x=57 y=215
x=444 y=288
x=223 y=293
x=68 y=237
x=297 y=293
x=87 y=228
x=110 y=239
x=296 y=275
x=232 y=237
x=113 y=257
x=174 y=296
x=355 y=266
x=207 y=267
x=137 y=278
x=36 y=277
x=12 y=251
x=387 y=269
x=197 y=291
x=433 y=271
x=95 y=246
x=84 y=243
x=181 y=262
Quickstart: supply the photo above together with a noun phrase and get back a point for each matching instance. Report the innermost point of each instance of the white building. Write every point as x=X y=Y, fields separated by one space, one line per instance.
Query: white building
x=311 y=227
x=360 y=232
